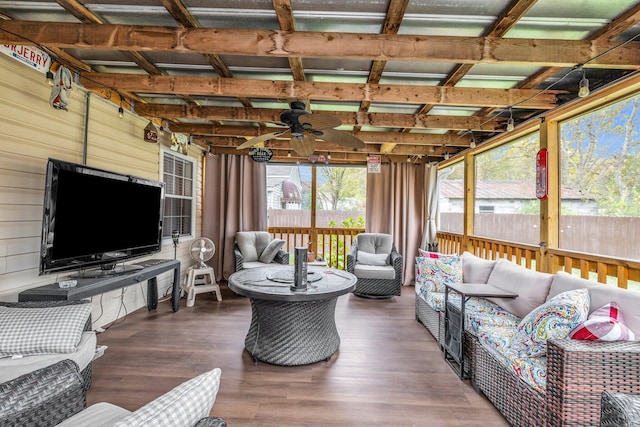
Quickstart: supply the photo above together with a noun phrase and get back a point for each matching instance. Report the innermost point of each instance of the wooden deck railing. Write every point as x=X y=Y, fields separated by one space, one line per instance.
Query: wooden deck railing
x=619 y=272
x=330 y=244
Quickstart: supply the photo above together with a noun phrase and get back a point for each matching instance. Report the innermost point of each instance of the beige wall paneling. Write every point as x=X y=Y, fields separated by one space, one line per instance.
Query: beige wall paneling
x=32 y=132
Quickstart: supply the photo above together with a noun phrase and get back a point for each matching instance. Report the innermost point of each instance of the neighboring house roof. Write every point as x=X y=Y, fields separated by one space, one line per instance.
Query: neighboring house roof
x=512 y=190
x=290 y=193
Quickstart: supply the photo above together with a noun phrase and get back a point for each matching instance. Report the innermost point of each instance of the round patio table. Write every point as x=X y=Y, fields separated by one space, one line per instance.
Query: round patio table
x=292 y=327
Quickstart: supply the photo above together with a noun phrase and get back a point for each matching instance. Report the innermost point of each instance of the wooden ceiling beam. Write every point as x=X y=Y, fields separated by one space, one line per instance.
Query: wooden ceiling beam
x=397 y=47
x=242 y=133
x=404 y=94
x=284 y=13
x=388 y=120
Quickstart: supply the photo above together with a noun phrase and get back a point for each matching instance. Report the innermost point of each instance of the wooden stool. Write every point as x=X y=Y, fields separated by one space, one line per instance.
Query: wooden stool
x=200 y=280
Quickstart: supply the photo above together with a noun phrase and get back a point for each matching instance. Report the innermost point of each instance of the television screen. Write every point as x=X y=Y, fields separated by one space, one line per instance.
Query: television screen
x=93 y=217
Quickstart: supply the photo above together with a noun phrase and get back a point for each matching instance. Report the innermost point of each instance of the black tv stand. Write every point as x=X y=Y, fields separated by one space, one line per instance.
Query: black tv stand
x=91 y=286
x=100 y=273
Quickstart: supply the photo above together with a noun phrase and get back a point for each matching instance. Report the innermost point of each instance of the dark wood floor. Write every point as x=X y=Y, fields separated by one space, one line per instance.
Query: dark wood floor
x=388 y=371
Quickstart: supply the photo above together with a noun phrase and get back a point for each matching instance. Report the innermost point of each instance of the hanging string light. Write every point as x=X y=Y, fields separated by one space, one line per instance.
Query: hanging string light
x=583 y=91
x=120 y=109
x=510 y=123
x=472 y=144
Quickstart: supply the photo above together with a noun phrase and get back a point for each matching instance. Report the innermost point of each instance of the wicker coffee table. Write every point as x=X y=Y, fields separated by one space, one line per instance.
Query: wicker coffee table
x=290 y=327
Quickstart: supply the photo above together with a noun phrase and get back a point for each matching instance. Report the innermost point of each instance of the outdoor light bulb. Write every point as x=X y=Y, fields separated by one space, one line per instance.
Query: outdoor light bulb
x=289 y=153
x=329 y=156
x=121 y=112
x=510 y=124
x=49 y=78
x=473 y=143
x=446 y=156
x=584 y=87
x=408 y=159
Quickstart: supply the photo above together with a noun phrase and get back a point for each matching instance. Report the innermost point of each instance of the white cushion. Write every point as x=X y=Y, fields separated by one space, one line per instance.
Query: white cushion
x=101 y=414
x=374 y=272
x=11 y=368
x=252 y=243
x=531 y=286
x=42 y=330
x=367 y=258
x=181 y=407
x=476 y=269
x=269 y=253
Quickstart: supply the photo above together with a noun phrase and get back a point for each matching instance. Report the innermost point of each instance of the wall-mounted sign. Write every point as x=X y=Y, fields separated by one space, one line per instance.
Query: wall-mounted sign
x=260 y=155
x=30 y=55
x=151 y=133
x=318 y=158
x=373 y=163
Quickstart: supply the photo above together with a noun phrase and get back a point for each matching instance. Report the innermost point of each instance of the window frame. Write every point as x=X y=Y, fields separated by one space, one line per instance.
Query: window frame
x=163 y=152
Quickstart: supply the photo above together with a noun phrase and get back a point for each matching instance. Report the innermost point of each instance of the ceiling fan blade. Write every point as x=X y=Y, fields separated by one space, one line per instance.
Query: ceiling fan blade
x=304 y=146
x=320 y=121
x=341 y=138
x=267 y=136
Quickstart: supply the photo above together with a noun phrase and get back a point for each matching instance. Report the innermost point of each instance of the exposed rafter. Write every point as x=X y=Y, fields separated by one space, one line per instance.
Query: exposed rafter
x=465 y=50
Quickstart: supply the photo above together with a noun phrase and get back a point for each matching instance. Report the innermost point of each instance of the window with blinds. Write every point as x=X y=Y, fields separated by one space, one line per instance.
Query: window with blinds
x=178 y=177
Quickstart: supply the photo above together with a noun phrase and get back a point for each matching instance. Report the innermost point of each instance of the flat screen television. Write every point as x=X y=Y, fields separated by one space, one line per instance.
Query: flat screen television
x=94 y=218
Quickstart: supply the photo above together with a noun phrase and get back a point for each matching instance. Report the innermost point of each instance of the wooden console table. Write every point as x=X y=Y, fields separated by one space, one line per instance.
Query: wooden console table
x=91 y=286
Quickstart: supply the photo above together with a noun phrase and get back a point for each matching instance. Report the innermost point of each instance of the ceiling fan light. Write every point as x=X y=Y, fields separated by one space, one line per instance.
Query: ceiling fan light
x=304 y=146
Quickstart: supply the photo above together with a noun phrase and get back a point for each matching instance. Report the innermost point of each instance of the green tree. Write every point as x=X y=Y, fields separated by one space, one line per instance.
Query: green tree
x=599 y=157
x=338 y=184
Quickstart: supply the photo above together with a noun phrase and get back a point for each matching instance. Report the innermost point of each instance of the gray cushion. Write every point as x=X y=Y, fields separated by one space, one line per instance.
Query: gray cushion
x=269 y=253
x=181 y=407
x=531 y=286
x=11 y=368
x=476 y=269
x=600 y=294
x=367 y=258
x=375 y=243
x=374 y=272
x=252 y=243
x=42 y=330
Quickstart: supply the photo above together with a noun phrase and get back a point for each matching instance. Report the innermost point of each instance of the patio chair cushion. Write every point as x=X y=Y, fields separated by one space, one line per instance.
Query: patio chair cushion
x=437 y=269
x=531 y=287
x=181 y=407
x=555 y=319
x=475 y=269
x=367 y=258
x=605 y=324
x=252 y=244
x=269 y=253
x=364 y=271
x=375 y=243
x=42 y=330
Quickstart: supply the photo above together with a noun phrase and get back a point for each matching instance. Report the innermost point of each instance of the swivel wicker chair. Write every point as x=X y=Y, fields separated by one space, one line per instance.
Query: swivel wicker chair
x=374 y=260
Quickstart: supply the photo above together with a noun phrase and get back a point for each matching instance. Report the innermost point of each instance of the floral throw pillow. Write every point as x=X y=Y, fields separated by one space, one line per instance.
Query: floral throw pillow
x=434 y=270
x=554 y=319
x=604 y=324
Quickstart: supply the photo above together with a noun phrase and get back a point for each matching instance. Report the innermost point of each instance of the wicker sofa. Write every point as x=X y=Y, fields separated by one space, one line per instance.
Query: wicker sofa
x=83 y=354
x=55 y=396
x=576 y=372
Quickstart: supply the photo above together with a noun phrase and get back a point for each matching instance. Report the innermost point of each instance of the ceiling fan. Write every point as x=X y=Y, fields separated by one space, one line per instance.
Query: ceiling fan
x=305 y=128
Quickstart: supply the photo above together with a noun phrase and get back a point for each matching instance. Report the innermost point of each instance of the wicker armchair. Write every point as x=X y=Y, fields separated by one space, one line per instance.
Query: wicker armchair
x=44 y=397
x=250 y=246
x=374 y=260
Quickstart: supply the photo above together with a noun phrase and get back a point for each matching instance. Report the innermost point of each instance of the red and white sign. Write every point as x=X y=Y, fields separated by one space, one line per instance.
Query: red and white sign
x=373 y=163
x=30 y=55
